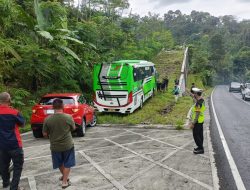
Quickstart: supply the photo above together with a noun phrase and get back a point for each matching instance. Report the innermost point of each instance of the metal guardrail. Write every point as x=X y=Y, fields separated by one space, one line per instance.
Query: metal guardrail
x=184 y=73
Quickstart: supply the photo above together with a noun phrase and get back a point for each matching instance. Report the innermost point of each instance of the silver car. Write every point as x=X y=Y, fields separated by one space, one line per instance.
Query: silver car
x=246 y=91
x=234 y=87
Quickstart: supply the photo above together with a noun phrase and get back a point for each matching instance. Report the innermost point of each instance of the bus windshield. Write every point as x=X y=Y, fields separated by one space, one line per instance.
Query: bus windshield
x=114 y=72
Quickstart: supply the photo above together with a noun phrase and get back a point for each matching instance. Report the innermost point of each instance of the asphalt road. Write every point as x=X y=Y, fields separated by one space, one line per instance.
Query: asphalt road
x=234 y=117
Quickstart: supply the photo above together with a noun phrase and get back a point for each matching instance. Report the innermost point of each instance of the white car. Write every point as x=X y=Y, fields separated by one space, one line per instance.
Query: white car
x=246 y=91
x=234 y=87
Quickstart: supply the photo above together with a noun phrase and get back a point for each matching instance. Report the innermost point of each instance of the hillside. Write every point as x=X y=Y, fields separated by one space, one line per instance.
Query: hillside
x=160 y=109
x=168 y=63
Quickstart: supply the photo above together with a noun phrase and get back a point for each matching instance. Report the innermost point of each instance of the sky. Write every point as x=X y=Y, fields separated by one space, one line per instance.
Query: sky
x=239 y=8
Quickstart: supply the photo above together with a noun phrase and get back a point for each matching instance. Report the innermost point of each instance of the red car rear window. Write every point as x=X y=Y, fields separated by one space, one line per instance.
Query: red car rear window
x=49 y=100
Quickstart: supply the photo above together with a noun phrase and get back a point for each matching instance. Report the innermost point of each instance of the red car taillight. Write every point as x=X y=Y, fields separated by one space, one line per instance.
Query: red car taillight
x=130 y=98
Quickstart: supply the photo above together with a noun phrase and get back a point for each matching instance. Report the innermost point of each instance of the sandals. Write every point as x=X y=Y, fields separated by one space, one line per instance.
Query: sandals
x=61 y=178
x=64 y=186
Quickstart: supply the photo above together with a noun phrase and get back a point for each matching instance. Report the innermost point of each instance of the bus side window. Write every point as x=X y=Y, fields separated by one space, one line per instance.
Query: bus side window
x=135 y=74
x=142 y=73
x=152 y=71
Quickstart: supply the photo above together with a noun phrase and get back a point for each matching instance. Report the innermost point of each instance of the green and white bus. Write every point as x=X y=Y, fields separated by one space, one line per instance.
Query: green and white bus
x=123 y=86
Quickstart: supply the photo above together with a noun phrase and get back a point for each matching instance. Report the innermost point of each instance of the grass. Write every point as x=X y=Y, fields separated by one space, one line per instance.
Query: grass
x=168 y=64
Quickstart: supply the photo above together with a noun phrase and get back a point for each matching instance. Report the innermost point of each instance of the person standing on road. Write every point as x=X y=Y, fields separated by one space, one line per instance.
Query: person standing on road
x=10 y=143
x=197 y=120
x=57 y=128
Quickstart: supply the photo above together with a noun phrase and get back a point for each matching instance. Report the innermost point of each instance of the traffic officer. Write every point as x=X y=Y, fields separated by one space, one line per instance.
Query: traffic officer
x=197 y=120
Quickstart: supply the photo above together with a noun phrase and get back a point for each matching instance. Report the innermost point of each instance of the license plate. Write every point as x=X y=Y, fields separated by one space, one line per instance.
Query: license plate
x=111 y=110
x=50 y=111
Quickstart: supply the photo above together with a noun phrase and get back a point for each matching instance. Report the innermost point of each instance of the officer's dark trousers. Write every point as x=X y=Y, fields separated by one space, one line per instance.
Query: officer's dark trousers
x=17 y=158
x=198 y=135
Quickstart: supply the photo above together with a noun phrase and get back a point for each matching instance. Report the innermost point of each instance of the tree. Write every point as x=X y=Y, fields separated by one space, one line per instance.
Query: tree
x=217 y=50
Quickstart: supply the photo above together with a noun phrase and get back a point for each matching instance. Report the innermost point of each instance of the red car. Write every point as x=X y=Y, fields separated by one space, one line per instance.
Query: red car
x=74 y=104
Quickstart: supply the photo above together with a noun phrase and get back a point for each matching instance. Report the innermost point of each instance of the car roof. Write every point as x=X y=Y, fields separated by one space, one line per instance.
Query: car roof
x=62 y=95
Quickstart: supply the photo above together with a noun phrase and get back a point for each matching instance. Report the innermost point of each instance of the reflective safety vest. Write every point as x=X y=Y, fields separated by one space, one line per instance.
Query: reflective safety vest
x=199 y=107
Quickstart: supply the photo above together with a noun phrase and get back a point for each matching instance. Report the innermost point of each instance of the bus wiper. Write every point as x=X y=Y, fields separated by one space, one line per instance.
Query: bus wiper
x=105 y=77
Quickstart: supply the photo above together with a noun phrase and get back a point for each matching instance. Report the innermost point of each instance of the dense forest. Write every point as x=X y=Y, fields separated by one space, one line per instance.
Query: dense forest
x=52 y=45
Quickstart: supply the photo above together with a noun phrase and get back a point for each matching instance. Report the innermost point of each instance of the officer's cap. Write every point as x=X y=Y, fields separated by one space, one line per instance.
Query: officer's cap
x=195 y=90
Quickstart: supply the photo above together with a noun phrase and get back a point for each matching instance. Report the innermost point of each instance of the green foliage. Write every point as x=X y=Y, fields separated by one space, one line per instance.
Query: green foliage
x=20 y=99
x=54 y=14
x=51 y=46
x=215 y=44
x=54 y=46
x=241 y=64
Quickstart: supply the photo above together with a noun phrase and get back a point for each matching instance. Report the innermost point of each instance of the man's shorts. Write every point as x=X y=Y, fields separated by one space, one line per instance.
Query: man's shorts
x=65 y=158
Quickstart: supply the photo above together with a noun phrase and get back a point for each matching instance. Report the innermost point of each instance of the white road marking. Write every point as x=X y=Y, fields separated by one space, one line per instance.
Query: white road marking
x=170 y=137
x=87 y=139
x=27 y=140
x=106 y=175
x=96 y=138
x=237 y=178
x=136 y=175
x=102 y=130
x=32 y=183
x=75 y=167
x=110 y=146
x=202 y=155
x=136 y=155
x=39 y=157
x=25 y=148
x=27 y=133
x=164 y=166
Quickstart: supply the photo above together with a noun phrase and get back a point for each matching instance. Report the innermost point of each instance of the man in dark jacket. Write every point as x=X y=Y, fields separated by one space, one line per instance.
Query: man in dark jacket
x=10 y=142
